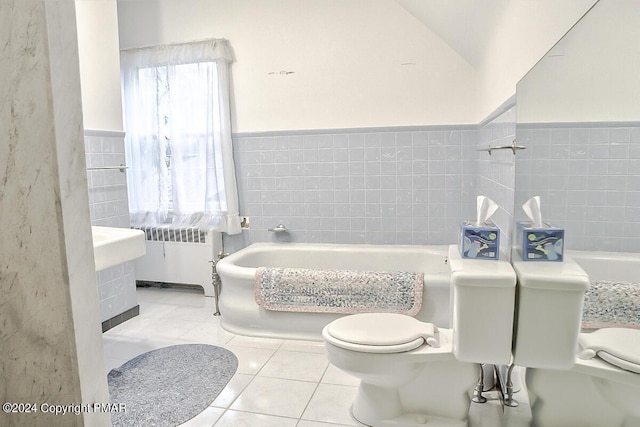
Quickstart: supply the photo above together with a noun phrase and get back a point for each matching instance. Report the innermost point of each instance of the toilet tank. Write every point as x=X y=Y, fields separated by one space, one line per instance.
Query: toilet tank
x=549 y=312
x=483 y=293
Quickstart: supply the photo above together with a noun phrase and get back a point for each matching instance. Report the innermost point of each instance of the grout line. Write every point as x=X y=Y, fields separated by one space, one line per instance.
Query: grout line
x=258 y=413
x=239 y=393
x=221 y=415
x=310 y=399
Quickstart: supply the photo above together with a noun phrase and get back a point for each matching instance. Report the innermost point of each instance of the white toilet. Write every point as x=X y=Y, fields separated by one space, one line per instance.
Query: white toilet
x=574 y=379
x=601 y=389
x=414 y=373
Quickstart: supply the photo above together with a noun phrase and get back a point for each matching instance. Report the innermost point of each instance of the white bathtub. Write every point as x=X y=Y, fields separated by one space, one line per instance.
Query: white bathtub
x=608 y=266
x=241 y=314
x=604 y=303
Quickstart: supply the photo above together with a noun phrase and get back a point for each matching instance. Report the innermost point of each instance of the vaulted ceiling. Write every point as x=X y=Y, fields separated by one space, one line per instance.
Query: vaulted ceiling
x=468 y=26
x=465 y=25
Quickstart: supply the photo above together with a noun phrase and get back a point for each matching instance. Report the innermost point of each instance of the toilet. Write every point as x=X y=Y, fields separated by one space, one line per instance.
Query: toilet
x=407 y=372
x=587 y=379
x=601 y=389
x=413 y=372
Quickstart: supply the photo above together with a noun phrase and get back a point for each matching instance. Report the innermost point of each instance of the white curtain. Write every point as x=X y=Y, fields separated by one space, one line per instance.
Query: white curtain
x=178 y=136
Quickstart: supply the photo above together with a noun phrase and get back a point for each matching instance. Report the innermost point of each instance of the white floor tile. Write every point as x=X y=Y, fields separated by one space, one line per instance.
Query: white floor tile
x=155 y=310
x=173 y=296
x=247 y=419
x=161 y=328
x=206 y=418
x=250 y=360
x=304 y=346
x=294 y=365
x=193 y=314
x=127 y=347
x=335 y=375
x=126 y=326
x=207 y=333
x=273 y=396
x=332 y=404
x=256 y=342
x=307 y=423
x=233 y=389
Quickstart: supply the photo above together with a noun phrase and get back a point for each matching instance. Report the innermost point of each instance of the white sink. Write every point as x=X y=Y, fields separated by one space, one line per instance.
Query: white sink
x=113 y=246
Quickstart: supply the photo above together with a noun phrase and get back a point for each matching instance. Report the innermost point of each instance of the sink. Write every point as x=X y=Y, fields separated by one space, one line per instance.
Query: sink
x=113 y=246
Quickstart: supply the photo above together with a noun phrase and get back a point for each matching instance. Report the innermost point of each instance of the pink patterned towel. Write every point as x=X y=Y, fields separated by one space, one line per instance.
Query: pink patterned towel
x=338 y=291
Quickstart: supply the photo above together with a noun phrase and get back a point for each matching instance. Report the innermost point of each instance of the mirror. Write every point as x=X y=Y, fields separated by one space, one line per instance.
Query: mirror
x=578 y=114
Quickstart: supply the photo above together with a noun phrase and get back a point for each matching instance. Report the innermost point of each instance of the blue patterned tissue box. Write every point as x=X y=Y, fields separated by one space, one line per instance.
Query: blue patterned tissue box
x=541 y=244
x=479 y=242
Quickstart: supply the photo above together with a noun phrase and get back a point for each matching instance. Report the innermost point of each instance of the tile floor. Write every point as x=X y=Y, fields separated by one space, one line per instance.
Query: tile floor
x=278 y=382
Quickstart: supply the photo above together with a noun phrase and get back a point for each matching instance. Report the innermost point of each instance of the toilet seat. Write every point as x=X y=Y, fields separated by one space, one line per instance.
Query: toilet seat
x=617 y=346
x=380 y=333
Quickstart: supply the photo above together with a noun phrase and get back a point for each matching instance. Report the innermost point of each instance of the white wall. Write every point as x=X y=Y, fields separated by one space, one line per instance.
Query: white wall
x=347 y=57
x=524 y=32
x=592 y=75
x=99 y=52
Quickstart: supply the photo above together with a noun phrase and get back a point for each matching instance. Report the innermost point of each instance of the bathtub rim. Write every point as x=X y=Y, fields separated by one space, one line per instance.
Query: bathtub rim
x=228 y=264
x=592 y=263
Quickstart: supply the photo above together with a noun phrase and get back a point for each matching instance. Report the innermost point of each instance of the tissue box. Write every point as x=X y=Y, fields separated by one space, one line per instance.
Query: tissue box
x=479 y=242
x=541 y=244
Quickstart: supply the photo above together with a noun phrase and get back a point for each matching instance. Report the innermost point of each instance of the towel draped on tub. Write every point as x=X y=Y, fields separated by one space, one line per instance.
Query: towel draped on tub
x=338 y=291
x=612 y=305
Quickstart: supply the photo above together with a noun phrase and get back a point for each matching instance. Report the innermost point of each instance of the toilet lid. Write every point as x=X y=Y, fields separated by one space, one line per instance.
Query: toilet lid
x=381 y=332
x=618 y=346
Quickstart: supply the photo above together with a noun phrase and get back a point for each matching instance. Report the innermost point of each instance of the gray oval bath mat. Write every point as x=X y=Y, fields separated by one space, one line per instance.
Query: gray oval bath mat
x=170 y=385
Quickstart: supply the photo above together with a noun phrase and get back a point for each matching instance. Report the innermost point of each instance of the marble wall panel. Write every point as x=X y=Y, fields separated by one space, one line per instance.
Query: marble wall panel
x=50 y=349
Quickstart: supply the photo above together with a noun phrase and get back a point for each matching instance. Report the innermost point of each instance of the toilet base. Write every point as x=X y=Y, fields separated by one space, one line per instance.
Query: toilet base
x=439 y=396
x=561 y=398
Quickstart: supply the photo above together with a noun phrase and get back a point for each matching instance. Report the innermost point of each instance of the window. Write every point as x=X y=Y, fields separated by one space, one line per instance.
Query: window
x=178 y=136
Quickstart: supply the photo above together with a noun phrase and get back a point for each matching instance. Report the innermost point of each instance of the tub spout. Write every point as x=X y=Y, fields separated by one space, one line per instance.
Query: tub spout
x=278 y=228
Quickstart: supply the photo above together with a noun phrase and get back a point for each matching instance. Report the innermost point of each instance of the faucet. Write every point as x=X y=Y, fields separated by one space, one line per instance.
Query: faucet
x=280 y=228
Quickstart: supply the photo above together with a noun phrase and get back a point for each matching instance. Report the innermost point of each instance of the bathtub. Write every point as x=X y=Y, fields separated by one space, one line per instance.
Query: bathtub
x=608 y=266
x=241 y=314
x=611 y=300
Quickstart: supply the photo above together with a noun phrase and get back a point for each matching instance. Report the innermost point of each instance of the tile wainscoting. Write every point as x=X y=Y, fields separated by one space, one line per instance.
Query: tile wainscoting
x=588 y=177
x=109 y=207
x=380 y=186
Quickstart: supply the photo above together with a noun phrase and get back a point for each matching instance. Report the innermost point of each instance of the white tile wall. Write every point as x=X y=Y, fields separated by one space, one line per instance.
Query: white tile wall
x=412 y=186
x=391 y=186
x=588 y=177
x=109 y=207
x=496 y=172
x=107 y=188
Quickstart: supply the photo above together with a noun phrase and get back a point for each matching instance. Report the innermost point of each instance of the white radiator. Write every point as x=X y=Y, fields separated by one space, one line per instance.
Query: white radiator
x=179 y=255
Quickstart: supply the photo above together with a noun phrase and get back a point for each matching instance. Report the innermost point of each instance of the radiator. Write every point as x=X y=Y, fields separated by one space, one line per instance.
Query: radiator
x=179 y=255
